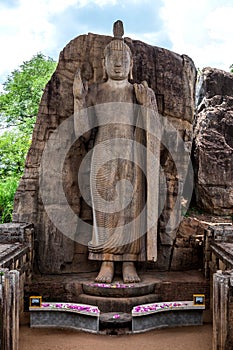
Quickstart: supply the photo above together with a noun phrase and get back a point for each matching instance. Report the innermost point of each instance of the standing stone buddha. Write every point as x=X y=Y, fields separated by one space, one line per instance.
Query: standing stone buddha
x=124 y=230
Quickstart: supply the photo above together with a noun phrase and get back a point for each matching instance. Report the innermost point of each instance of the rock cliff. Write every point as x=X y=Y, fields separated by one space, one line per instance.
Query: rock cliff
x=213 y=146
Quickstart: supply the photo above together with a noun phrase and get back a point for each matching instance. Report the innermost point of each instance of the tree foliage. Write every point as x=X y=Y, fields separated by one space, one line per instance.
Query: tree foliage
x=14 y=146
x=13 y=150
x=22 y=92
x=19 y=103
x=231 y=68
x=8 y=187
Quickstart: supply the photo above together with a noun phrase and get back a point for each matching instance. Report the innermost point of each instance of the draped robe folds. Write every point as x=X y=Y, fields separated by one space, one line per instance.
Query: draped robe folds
x=125 y=197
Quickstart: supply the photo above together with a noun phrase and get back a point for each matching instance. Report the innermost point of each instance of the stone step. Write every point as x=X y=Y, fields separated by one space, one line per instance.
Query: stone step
x=118 y=289
x=115 y=323
x=117 y=305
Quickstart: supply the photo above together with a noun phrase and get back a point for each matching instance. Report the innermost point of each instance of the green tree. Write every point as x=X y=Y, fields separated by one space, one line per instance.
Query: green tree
x=13 y=150
x=231 y=68
x=22 y=91
x=19 y=103
x=8 y=187
x=14 y=146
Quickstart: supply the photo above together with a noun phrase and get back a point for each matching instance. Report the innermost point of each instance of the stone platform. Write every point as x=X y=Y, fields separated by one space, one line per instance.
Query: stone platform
x=120 y=299
x=166 y=314
x=110 y=304
x=141 y=319
x=118 y=289
x=163 y=286
x=62 y=315
x=115 y=323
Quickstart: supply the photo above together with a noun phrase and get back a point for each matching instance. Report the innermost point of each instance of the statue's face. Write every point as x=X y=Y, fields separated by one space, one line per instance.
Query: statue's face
x=117 y=64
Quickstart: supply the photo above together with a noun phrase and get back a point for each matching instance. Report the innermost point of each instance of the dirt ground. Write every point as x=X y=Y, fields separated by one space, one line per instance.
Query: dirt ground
x=186 y=338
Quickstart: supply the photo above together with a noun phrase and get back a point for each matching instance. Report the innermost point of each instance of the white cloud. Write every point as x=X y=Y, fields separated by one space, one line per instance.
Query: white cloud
x=219 y=23
x=28 y=28
x=99 y=2
x=152 y=38
x=201 y=29
x=25 y=30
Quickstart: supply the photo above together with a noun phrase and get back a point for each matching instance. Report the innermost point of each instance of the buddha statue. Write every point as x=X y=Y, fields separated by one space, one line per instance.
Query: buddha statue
x=117 y=234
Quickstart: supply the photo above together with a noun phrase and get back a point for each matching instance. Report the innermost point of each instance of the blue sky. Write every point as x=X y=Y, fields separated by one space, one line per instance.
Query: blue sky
x=202 y=29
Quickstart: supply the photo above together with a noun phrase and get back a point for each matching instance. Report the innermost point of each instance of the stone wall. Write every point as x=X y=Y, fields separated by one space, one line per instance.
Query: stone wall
x=187 y=253
x=213 y=151
x=218 y=248
x=16 y=265
x=171 y=76
x=17 y=253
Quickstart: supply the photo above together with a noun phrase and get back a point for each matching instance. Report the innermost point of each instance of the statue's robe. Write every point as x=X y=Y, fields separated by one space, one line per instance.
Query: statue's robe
x=124 y=228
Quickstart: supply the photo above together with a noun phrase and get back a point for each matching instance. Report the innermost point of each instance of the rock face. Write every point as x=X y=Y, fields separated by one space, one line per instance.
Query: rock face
x=214 y=142
x=171 y=76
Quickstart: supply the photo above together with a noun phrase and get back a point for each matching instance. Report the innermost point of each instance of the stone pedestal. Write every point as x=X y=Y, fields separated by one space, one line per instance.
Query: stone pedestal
x=118 y=297
x=111 y=301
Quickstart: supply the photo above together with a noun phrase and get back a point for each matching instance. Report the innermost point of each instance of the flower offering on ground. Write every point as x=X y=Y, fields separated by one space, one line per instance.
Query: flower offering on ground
x=157 y=307
x=111 y=285
x=73 y=307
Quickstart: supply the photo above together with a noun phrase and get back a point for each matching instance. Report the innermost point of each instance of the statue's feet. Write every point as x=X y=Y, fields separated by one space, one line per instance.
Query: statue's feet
x=106 y=272
x=129 y=273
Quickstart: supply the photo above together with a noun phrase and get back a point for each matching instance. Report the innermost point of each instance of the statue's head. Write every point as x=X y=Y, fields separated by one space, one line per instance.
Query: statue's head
x=118 y=60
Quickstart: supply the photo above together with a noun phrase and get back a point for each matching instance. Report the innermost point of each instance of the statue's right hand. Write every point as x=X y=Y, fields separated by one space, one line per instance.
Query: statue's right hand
x=144 y=94
x=79 y=88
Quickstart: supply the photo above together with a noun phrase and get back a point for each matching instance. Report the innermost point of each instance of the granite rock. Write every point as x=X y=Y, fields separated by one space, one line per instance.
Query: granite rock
x=171 y=76
x=213 y=151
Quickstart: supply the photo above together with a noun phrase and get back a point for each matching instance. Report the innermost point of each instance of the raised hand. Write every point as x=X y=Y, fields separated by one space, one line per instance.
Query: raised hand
x=145 y=96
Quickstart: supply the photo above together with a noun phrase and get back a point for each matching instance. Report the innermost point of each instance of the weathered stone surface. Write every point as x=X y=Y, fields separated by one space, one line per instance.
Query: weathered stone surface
x=110 y=320
x=222 y=310
x=168 y=286
x=64 y=319
x=188 y=247
x=214 y=142
x=11 y=233
x=130 y=290
x=171 y=76
x=16 y=253
x=115 y=304
x=191 y=246
x=9 y=306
